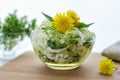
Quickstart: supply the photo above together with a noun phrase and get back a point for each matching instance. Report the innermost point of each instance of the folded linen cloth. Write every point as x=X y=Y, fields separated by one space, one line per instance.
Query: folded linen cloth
x=113 y=51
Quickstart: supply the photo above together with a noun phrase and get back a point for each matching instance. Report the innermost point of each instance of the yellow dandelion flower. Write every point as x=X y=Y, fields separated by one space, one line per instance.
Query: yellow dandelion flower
x=63 y=22
x=106 y=66
x=74 y=16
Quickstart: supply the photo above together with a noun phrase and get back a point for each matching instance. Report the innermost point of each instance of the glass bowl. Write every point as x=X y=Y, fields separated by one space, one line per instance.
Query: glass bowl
x=61 y=52
x=11 y=46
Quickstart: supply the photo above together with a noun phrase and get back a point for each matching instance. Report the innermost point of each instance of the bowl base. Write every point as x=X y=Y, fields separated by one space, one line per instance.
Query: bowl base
x=63 y=66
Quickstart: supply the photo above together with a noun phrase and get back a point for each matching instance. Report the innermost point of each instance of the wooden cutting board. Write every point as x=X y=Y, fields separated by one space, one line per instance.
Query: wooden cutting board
x=29 y=67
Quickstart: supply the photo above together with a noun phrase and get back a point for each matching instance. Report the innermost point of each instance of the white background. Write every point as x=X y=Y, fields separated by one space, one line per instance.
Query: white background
x=104 y=13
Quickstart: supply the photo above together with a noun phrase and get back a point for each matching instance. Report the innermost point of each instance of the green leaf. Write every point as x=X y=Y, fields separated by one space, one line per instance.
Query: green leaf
x=89 y=24
x=55 y=45
x=84 y=25
x=33 y=24
x=48 y=17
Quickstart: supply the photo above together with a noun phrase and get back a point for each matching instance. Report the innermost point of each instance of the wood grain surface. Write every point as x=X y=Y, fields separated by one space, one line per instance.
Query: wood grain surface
x=29 y=67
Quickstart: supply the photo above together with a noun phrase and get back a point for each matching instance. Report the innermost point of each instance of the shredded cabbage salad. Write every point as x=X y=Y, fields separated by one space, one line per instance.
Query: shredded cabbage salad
x=55 y=47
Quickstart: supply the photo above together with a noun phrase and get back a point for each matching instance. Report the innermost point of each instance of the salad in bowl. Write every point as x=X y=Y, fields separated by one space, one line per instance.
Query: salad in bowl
x=63 y=42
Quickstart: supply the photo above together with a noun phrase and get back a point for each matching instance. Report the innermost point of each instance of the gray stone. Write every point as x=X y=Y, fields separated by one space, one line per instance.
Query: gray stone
x=113 y=51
